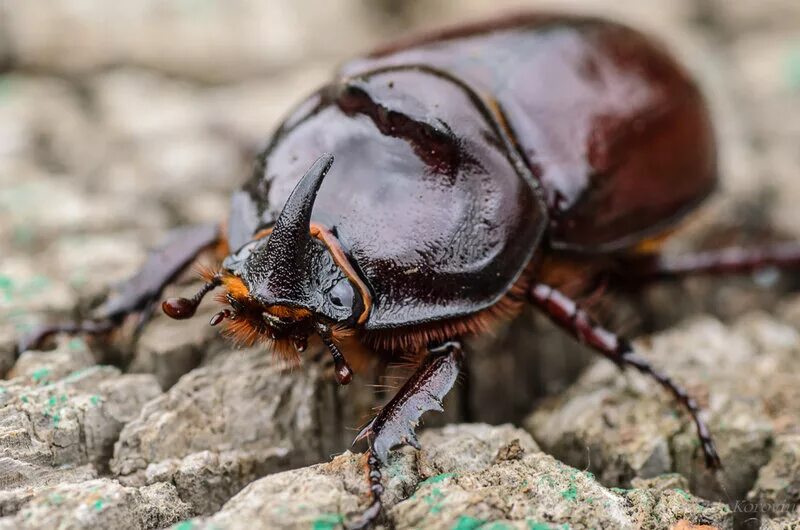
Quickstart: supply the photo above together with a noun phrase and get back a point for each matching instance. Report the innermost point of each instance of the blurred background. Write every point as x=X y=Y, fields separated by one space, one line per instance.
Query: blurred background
x=119 y=120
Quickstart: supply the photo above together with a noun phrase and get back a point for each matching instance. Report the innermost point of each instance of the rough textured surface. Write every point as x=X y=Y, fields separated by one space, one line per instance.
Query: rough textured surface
x=776 y=493
x=622 y=426
x=118 y=122
x=229 y=422
x=467 y=476
x=59 y=421
x=99 y=503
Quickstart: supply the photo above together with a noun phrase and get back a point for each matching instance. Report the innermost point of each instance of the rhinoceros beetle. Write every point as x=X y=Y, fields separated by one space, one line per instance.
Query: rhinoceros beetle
x=476 y=169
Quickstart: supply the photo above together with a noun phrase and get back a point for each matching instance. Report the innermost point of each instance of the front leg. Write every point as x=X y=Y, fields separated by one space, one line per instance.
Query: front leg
x=395 y=423
x=565 y=313
x=138 y=293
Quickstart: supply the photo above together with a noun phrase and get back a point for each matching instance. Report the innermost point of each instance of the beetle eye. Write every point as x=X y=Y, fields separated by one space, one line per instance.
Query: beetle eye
x=342 y=294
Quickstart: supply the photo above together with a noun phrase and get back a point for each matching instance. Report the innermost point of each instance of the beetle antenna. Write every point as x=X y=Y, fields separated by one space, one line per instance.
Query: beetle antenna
x=183 y=308
x=344 y=374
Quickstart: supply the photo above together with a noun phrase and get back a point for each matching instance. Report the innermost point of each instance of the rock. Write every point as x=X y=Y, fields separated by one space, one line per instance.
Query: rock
x=234 y=420
x=59 y=419
x=776 y=493
x=8 y=348
x=622 y=425
x=463 y=478
x=791 y=522
x=22 y=481
x=168 y=354
x=517 y=365
x=99 y=503
x=41 y=367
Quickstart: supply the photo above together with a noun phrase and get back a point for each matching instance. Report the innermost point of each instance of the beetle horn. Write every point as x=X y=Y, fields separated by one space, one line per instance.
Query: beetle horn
x=286 y=251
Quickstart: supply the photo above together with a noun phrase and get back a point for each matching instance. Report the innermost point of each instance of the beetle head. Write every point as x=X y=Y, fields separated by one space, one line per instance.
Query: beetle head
x=288 y=284
x=292 y=270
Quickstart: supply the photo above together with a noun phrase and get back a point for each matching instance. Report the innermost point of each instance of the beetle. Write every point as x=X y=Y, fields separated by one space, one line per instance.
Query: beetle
x=454 y=177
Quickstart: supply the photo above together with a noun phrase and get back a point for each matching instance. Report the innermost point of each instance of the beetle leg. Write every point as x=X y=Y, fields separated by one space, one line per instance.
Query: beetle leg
x=394 y=425
x=565 y=313
x=733 y=260
x=369 y=516
x=138 y=293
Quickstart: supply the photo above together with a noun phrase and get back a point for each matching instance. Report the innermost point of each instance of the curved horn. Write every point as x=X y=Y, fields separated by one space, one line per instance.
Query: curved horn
x=285 y=253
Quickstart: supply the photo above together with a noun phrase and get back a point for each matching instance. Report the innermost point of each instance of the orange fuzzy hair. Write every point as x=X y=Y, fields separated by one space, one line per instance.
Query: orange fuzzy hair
x=361 y=347
x=247 y=328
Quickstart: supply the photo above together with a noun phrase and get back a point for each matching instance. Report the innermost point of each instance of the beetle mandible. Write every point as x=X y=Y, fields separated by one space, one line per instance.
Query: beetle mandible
x=476 y=169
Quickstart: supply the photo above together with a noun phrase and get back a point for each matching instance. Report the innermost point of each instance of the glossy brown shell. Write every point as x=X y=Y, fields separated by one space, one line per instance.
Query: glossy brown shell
x=426 y=197
x=615 y=130
x=455 y=152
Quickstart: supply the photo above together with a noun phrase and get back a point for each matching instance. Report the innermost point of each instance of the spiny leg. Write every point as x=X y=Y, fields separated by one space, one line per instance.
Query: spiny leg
x=395 y=423
x=140 y=292
x=565 y=313
x=369 y=516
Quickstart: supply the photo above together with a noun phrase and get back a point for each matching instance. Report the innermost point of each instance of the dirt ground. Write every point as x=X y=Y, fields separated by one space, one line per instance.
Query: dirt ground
x=119 y=121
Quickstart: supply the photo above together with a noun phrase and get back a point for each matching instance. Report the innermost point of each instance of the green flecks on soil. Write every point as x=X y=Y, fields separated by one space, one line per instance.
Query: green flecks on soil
x=23 y=398
x=9 y=289
x=534 y=525
x=6 y=288
x=183 y=525
x=40 y=375
x=52 y=408
x=77 y=374
x=433 y=499
x=328 y=521
x=495 y=526
x=465 y=522
x=2 y=390
x=56 y=499
x=76 y=343
x=94 y=400
x=571 y=493
x=792 y=68
x=437 y=479
x=683 y=493
x=98 y=504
